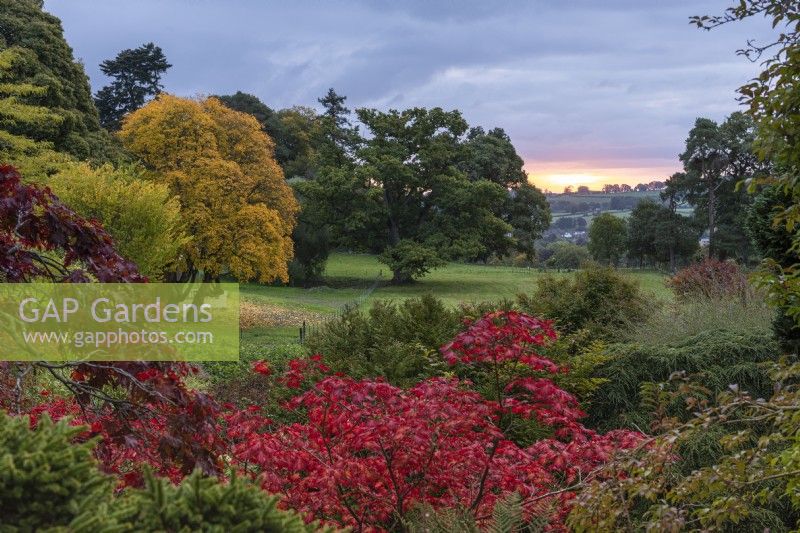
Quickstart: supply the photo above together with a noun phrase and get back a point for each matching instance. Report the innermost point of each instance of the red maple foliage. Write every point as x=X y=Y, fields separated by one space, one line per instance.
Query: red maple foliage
x=370 y=452
x=155 y=420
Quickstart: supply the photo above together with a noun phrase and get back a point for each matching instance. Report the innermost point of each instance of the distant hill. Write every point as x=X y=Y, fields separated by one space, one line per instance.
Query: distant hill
x=573 y=212
x=597 y=202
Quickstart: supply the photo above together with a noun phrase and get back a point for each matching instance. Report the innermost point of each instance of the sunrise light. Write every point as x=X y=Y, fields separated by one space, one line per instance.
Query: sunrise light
x=571 y=179
x=555 y=176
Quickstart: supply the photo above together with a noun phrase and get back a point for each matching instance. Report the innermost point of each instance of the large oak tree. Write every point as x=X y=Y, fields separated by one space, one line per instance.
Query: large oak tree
x=421 y=190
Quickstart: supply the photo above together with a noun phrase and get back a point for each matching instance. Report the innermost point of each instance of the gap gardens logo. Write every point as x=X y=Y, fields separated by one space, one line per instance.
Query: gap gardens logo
x=120 y=321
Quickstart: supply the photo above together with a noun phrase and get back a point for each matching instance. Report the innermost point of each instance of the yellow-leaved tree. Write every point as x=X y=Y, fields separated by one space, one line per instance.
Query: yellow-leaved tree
x=237 y=208
x=142 y=215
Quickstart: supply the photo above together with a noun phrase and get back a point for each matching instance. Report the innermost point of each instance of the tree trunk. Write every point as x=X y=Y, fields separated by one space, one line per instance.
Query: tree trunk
x=394 y=229
x=400 y=278
x=711 y=210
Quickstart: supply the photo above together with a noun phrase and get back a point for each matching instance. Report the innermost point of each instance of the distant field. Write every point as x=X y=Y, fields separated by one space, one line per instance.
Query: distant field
x=601 y=197
x=591 y=204
x=621 y=213
x=351 y=278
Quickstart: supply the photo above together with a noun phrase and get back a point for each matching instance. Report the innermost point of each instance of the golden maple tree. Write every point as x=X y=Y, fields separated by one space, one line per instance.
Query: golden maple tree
x=236 y=205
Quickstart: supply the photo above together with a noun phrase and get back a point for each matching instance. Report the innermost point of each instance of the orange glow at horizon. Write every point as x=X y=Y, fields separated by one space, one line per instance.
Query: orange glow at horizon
x=554 y=176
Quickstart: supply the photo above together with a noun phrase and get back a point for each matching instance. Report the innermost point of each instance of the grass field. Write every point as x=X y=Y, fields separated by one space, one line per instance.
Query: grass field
x=353 y=278
x=621 y=213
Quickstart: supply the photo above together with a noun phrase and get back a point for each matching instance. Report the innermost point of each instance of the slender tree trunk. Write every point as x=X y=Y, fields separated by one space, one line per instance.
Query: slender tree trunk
x=711 y=210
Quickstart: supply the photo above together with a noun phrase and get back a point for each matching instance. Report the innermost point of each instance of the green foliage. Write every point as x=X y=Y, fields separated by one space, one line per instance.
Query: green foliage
x=715 y=359
x=657 y=235
x=729 y=465
x=425 y=199
x=338 y=138
x=420 y=178
x=201 y=503
x=491 y=156
x=398 y=341
x=682 y=319
x=21 y=121
x=311 y=250
x=566 y=255
x=583 y=355
x=770 y=238
x=48 y=482
x=295 y=141
x=409 y=260
x=51 y=65
x=773 y=240
x=140 y=214
x=597 y=299
x=528 y=213
x=507 y=517
x=137 y=76
x=607 y=236
x=717 y=157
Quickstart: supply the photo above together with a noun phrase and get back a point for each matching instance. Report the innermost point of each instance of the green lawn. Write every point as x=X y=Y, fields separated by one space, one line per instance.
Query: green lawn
x=355 y=278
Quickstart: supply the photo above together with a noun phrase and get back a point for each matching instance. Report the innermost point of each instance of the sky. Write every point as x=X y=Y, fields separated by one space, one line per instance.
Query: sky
x=590 y=91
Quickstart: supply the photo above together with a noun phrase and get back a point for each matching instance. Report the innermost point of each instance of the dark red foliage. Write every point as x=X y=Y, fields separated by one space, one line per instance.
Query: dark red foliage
x=143 y=410
x=153 y=420
x=365 y=453
x=262 y=367
x=33 y=221
x=710 y=278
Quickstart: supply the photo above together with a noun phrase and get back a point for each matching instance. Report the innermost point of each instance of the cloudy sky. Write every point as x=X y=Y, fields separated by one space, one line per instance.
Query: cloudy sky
x=591 y=91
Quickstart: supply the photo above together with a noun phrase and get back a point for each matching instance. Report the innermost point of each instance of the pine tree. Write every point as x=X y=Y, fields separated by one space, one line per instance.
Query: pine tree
x=49 y=480
x=137 y=77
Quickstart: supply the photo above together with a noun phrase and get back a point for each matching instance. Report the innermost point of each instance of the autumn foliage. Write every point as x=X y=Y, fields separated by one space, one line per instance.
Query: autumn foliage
x=34 y=223
x=156 y=422
x=238 y=209
x=365 y=453
x=710 y=278
x=143 y=411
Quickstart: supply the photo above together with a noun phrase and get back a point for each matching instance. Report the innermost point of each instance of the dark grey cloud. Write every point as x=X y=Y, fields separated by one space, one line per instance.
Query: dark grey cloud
x=592 y=84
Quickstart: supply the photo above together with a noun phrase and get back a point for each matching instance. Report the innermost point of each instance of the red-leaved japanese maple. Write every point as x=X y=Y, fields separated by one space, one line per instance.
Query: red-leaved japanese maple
x=369 y=452
x=153 y=419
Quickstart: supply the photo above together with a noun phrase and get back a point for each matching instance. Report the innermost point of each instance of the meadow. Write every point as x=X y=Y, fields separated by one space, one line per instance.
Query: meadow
x=359 y=279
